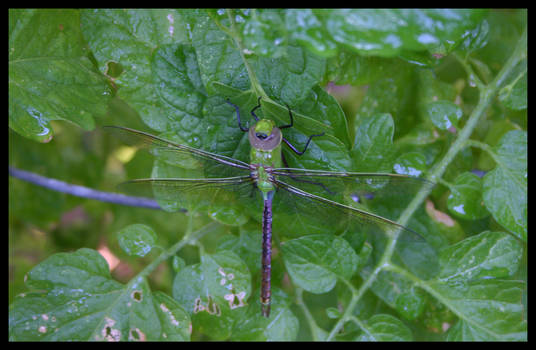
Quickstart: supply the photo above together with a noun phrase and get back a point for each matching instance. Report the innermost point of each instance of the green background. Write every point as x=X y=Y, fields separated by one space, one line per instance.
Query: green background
x=437 y=93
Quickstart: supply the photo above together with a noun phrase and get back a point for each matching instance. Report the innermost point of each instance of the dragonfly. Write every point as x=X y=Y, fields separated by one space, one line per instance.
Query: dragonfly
x=306 y=200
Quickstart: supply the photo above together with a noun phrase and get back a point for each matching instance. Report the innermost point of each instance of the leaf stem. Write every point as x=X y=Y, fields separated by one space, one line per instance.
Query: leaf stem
x=356 y=296
x=486 y=148
x=363 y=326
x=487 y=93
x=189 y=238
x=471 y=75
x=316 y=332
x=255 y=84
x=483 y=146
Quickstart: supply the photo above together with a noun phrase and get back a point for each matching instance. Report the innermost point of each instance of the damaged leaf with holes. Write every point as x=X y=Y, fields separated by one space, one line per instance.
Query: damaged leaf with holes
x=215 y=292
x=73 y=297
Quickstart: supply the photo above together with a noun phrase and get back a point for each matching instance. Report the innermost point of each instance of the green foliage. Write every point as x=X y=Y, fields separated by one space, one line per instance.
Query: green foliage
x=315 y=262
x=465 y=200
x=435 y=93
x=137 y=239
x=51 y=75
x=505 y=187
x=75 y=298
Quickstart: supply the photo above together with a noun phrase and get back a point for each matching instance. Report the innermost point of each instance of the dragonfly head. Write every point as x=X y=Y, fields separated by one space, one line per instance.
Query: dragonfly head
x=265 y=135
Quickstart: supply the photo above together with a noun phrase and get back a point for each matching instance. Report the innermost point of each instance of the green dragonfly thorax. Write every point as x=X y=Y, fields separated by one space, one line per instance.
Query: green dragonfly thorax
x=265 y=139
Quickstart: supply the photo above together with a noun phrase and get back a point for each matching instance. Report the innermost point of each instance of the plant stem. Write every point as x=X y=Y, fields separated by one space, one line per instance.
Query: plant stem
x=188 y=238
x=81 y=191
x=255 y=84
x=487 y=93
x=483 y=146
x=316 y=332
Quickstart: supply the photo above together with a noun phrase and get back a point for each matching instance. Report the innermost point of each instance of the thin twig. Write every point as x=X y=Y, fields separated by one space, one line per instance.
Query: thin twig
x=81 y=191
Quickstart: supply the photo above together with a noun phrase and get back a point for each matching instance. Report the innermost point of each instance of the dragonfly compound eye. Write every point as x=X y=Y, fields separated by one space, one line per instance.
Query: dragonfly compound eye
x=261 y=135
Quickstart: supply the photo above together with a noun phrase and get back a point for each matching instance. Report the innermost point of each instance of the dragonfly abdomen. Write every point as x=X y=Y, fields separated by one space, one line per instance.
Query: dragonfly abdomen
x=266 y=257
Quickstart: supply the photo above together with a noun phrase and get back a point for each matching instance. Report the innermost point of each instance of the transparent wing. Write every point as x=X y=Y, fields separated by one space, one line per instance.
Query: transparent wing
x=380 y=192
x=194 y=194
x=300 y=212
x=211 y=165
x=185 y=177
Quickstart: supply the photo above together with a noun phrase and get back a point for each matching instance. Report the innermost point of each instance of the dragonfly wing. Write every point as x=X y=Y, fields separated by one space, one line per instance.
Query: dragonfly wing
x=381 y=193
x=210 y=164
x=300 y=210
x=193 y=194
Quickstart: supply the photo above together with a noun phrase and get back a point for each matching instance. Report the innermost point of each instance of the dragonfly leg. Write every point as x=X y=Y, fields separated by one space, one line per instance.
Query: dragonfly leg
x=244 y=129
x=290 y=126
x=291 y=119
x=295 y=150
x=254 y=108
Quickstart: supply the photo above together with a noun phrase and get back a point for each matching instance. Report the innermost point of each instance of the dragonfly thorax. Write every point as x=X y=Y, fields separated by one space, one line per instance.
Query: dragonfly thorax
x=264 y=179
x=265 y=139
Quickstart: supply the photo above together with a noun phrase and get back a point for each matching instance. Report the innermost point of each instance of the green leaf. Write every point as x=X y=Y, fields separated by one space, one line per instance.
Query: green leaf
x=282 y=325
x=484 y=256
x=434 y=101
x=263 y=31
x=228 y=216
x=443 y=114
x=315 y=262
x=390 y=95
x=181 y=94
x=411 y=163
x=73 y=297
x=398 y=292
x=372 y=150
x=248 y=246
x=505 y=187
x=431 y=88
x=465 y=200
x=410 y=303
x=351 y=68
x=488 y=307
x=137 y=239
x=221 y=63
x=324 y=108
x=51 y=76
x=306 y=27
x=477 y=38
x=489 y=310
x=214 y=292
x=130 y=38
x=333 y=313
x=290 y=78
x=514 y=95
x=504 y=32
x=177 y=263
x=384 y=328
x=255 y=329
x=387 y=32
